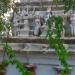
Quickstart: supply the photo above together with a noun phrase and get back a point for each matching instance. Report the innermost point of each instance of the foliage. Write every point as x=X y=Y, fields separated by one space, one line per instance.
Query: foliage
x=1 y=25
x=68 y=4
x=5 y=26
x=55 y=25
x=4 y=6
x=13 y=60
x=55 y=28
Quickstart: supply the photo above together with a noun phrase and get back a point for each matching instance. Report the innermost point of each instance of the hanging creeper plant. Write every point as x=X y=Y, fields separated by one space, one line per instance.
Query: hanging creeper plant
x=55 y=28
x=5 y=26
x=13 y=60
x=67 y=4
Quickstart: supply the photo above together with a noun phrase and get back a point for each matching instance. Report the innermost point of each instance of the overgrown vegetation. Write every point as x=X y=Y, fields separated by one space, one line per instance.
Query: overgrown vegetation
x=5 y=26
x=55 y=28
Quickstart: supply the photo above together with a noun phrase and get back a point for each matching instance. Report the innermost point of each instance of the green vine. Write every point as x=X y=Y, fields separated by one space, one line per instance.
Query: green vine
x=5 y=6
x=55 y=28
x=13 y=60
x=68 y=4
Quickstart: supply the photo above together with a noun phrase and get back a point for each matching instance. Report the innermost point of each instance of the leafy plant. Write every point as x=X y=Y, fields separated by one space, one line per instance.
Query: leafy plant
x=68 y=4
x=13 y=60
x=5 y=6
x=55 y=28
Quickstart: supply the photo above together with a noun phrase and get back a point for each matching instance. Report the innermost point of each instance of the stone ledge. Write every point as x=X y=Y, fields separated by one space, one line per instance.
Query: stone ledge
x=66 y=40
